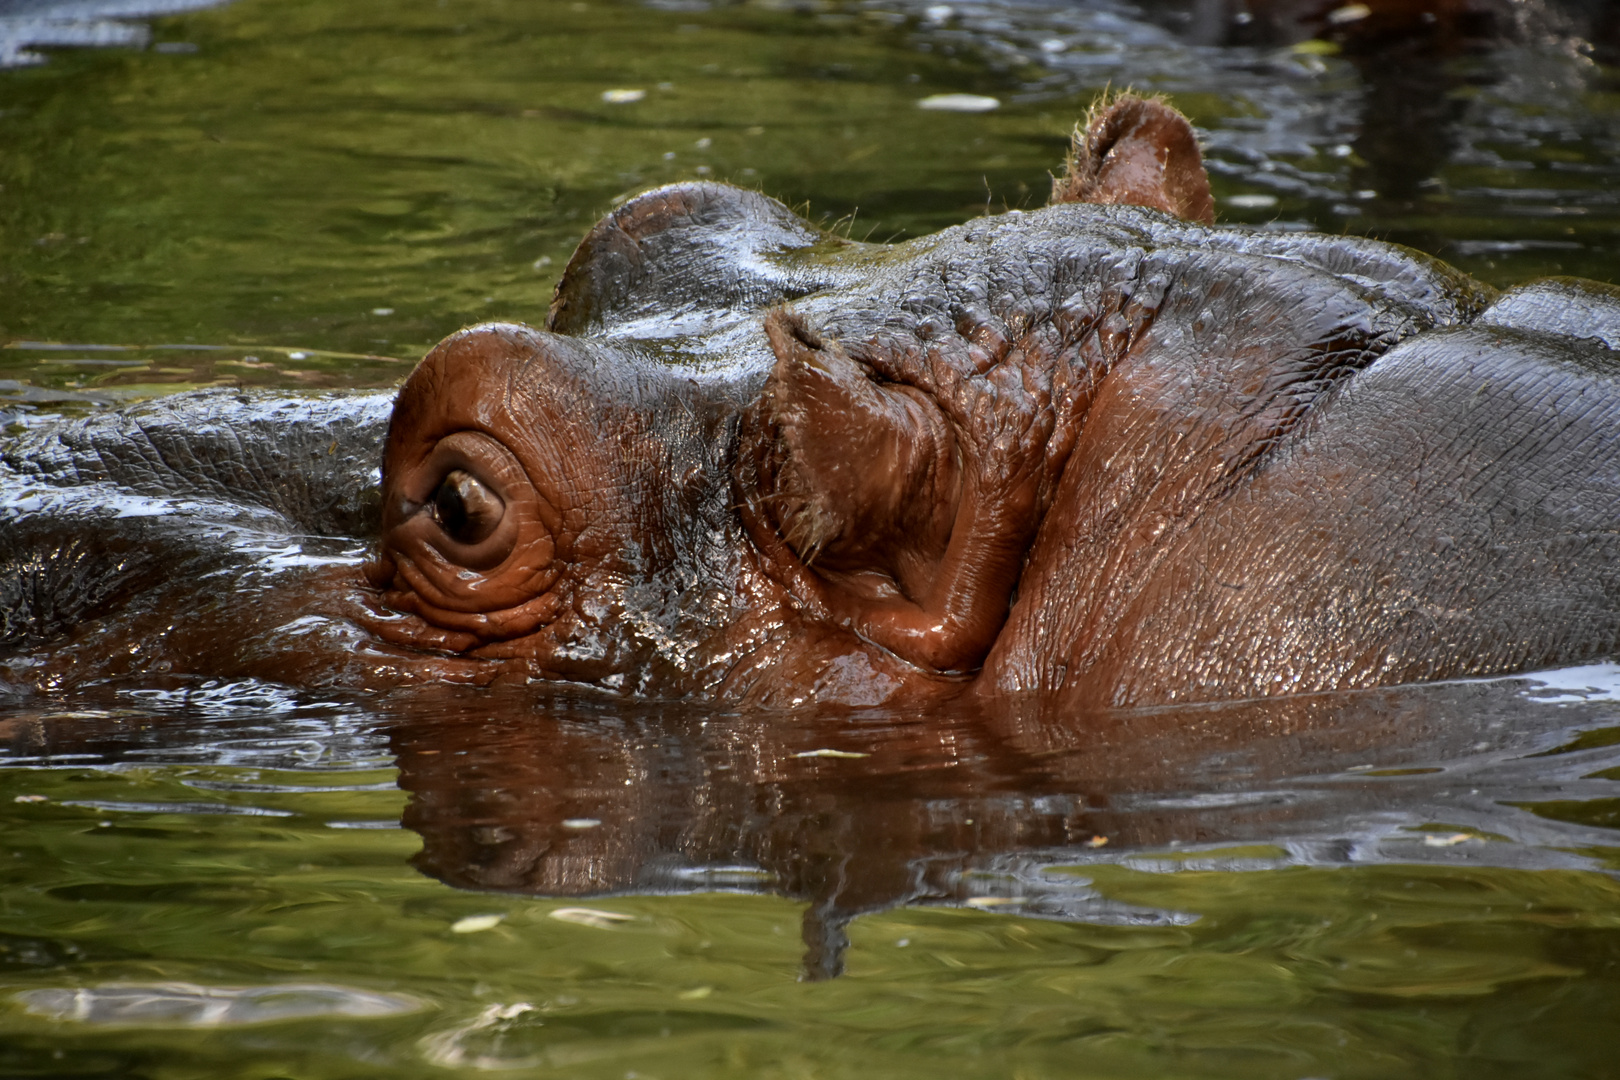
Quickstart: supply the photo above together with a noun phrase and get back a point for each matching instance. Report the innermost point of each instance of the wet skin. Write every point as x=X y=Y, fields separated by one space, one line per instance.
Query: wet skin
x=1093 y=454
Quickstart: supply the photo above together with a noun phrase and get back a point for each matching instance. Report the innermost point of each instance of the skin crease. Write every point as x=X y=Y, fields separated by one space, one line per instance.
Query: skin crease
x=1089 y=456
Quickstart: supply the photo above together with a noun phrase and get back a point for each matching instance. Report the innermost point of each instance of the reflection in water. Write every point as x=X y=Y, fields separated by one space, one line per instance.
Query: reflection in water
x=966 y=809
x=1319 y=881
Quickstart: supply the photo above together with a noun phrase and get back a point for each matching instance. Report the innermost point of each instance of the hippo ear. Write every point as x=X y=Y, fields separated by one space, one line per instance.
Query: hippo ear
x=1139 y=152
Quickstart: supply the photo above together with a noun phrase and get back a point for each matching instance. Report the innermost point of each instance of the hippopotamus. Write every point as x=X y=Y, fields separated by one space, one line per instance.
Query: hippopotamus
x=1105 y=453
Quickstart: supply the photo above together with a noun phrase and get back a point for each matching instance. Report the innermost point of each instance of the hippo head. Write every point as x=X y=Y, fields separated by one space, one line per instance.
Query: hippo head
x=681 y=479
x=1095 y=452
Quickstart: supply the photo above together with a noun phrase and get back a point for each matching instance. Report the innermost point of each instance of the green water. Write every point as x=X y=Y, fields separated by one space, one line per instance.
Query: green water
x=287 y=896
x=219 y=884
x=314 y=163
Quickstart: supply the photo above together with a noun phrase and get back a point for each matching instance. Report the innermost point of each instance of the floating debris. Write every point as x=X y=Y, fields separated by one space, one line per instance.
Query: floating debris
x=622 y=96
x=472 y=924
x=584 y=916
x=832 y=753
x=959 y=103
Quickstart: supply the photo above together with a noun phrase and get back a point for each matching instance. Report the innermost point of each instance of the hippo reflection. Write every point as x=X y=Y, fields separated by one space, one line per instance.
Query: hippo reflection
x=1006 y=809
x=1097 y=453
x=967 y=807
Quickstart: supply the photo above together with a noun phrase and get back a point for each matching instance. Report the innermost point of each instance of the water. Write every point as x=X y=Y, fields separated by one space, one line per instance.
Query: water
x=237 y=881
x=243 y=880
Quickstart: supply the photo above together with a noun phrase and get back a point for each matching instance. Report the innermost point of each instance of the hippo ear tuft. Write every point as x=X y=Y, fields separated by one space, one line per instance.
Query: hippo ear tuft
x=1139 y=152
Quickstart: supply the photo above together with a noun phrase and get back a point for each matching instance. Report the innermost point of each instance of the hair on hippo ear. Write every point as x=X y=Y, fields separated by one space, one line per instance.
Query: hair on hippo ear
x=1140 y=152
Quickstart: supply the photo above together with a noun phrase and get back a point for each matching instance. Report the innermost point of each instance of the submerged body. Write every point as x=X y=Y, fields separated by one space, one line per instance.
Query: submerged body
x=1092 y=455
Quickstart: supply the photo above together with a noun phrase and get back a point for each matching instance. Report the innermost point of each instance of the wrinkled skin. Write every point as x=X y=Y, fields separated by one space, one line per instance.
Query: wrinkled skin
x=1093 y=454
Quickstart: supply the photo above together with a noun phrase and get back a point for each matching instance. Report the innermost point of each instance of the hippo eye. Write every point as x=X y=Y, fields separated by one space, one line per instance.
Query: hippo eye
x=465 y=509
